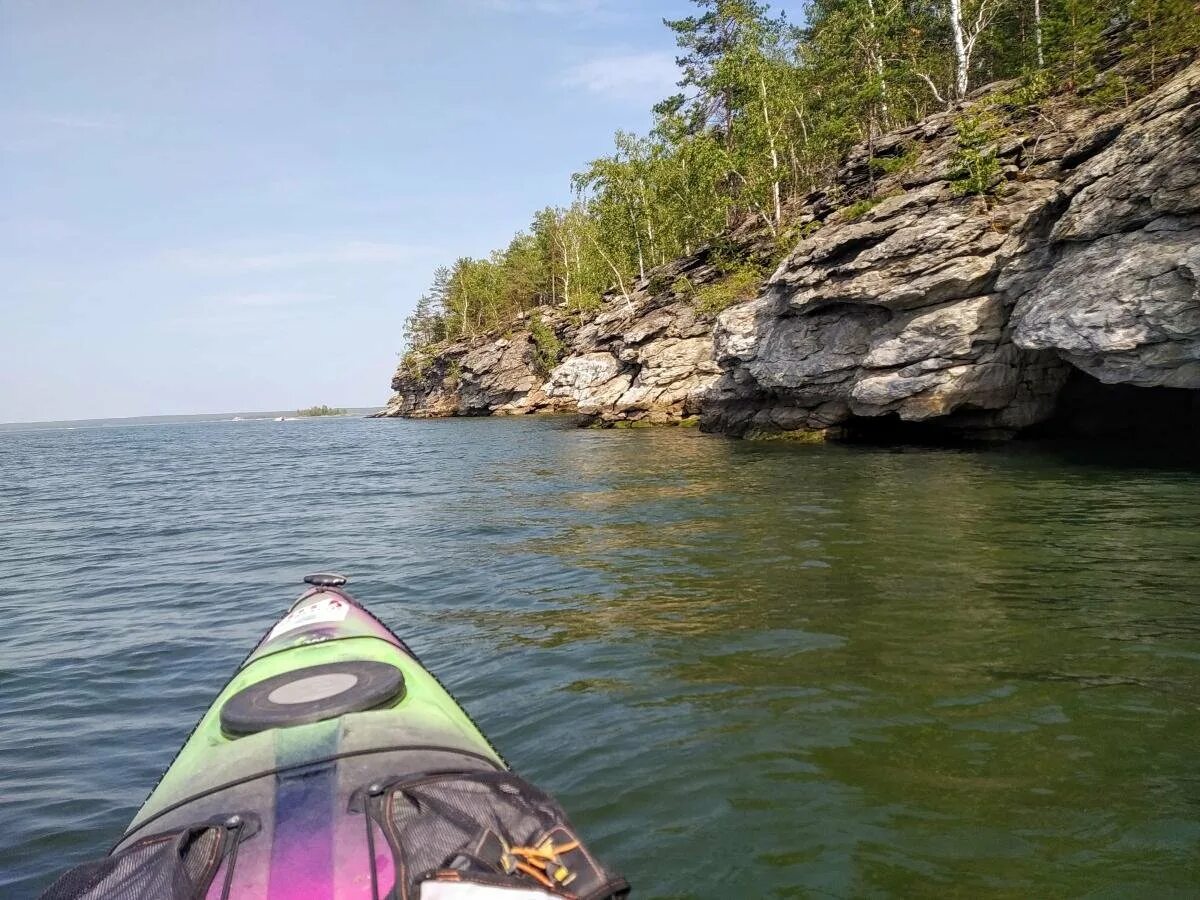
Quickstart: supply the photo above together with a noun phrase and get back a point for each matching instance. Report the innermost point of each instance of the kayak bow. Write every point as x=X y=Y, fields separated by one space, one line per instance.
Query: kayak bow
x=334 y=765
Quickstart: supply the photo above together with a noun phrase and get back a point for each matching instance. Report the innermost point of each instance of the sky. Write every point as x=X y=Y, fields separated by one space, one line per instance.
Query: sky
x=226 y=206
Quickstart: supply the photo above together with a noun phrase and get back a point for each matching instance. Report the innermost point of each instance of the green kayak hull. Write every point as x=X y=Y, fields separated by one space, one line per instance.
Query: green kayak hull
x=329 y=700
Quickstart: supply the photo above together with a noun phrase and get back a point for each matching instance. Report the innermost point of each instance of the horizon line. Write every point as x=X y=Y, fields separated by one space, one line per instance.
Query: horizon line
x=248 y=412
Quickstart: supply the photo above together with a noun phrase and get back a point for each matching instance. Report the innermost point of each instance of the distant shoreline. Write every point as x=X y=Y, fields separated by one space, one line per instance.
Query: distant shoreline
x=195 y=418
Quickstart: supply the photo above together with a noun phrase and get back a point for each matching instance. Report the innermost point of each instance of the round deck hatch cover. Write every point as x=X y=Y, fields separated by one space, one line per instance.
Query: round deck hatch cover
x=312 y=694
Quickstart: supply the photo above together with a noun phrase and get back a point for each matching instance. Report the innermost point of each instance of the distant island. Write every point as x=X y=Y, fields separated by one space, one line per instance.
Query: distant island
x=314 y=411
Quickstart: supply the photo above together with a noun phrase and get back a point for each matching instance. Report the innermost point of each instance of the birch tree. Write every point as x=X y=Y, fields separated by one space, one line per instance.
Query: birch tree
x=968 y=20
x=1037 y=32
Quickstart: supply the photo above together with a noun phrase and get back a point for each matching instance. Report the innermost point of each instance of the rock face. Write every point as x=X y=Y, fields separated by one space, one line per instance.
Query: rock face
x=965 y=313
x=1120 y=296
x=648 y=357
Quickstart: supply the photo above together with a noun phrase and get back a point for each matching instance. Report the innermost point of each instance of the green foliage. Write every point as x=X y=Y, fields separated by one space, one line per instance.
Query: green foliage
x=974 y=163
x=683 y=287
x=766 y=111
x=1161 y=30
x=724 y=255
x=1111 y=90
x=1031 y=90
x=657 y=284
x=903 y=162
x=585 y=303
x=454 y=373
x=1079 y=36
x=804 y=232
x=547 y=348
x=315 y=411
x=416 y=361
x=791 y=235
x=741 y=284
x=860 y=208
x=1072 y=30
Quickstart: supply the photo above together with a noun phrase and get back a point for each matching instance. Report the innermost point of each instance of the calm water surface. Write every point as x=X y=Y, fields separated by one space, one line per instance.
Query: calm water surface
x=747 y=670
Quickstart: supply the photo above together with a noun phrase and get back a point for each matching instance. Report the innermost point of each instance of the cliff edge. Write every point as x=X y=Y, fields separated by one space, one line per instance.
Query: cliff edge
x=959 y=273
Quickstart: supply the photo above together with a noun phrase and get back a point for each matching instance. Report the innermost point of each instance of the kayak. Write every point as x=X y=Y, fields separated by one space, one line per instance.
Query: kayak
x=333 y=764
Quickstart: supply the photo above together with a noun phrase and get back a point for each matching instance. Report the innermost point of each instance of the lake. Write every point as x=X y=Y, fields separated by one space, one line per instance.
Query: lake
x=746 y=669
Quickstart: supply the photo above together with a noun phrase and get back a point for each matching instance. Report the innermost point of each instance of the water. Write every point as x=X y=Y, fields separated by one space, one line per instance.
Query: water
x=747 y=670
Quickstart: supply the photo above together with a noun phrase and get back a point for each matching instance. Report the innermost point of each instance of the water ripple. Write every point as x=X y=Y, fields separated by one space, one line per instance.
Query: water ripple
x=746 y=669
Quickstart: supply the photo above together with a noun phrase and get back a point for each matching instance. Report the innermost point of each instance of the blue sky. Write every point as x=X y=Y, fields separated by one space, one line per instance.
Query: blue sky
x=225 y=206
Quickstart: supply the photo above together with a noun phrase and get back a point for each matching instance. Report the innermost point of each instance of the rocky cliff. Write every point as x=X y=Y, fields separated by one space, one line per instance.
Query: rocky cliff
x=903 y=300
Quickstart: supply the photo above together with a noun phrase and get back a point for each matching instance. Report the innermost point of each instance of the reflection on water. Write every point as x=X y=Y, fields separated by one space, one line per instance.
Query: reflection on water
x=748 y=670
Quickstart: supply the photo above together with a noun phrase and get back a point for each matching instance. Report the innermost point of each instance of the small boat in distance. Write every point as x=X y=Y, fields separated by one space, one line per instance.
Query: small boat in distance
x=333 y=764
x=280 y=419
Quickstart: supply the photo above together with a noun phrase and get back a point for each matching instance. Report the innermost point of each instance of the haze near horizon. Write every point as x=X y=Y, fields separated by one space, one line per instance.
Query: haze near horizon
x=220 y=207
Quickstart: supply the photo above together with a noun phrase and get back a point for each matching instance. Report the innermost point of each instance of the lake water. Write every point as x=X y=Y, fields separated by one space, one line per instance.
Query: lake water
x=746 y=669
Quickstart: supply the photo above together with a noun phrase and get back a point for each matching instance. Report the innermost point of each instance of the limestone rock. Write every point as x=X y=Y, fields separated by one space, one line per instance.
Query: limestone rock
x=967 y=313
x=1123 y=308
x=593 y=381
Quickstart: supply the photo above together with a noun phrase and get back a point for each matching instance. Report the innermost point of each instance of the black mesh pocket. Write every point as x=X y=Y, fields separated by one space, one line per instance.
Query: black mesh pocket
x=476 y=826
x=175 y=866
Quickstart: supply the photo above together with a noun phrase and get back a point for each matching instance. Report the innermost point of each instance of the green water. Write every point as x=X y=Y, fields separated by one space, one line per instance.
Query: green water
x=747 y=670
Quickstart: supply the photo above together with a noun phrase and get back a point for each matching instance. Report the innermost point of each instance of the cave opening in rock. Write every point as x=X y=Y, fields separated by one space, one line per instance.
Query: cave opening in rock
x=890 y=429
x=1123 y=414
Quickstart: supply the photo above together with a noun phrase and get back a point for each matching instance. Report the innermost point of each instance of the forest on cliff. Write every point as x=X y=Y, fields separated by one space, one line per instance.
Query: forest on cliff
x=765 y=110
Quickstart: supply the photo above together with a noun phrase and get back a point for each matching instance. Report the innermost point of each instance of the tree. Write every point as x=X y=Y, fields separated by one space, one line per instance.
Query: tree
x=969 y=19
x=1162 y=29
x=732 y=50
x=708 y=41
x=1037 y=30
x=1073 y=30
